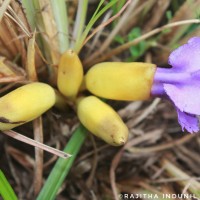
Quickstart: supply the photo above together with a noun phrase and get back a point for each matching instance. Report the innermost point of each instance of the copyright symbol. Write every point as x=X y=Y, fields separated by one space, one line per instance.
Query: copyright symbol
x=120 y=196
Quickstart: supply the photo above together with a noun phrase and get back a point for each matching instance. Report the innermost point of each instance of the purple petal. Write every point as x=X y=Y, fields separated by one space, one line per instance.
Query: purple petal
x=187 y=56
x=185 y=97
x=188 y=121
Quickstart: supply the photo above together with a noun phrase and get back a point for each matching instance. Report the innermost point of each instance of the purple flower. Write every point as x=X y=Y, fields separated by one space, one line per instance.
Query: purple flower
x=181 y=83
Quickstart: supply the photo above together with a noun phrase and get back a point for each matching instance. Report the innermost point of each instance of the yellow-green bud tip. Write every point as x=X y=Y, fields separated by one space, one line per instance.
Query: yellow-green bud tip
x=101 y=120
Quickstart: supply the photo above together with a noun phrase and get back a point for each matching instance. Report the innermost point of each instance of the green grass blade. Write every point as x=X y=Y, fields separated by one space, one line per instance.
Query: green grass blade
x=79 y=22
x=62 y=166
x=60 y=14
x=6 y=190
x=30 y=12
x=98 y=13
x=97 y=10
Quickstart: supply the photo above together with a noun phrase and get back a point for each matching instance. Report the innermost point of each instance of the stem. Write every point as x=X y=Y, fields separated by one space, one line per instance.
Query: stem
x=62 y=166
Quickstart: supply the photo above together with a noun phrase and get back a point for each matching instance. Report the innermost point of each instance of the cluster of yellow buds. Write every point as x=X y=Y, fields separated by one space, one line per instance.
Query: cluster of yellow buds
x=111 y=80
x=98 y=117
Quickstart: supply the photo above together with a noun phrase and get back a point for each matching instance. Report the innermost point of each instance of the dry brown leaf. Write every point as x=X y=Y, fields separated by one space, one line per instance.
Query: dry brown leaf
x=7 y=39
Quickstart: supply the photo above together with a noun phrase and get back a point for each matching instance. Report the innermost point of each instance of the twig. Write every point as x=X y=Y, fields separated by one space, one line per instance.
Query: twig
x=21 y=25
x=37 y=123
x=90 y=153
x=144 y=114
x=13 y=171
x=162 y=147
x=38 y=168
x=94 y=164
x=53 y=158
x=34 y=143
x=171 y=180
x=11 y=79
x=113 y=167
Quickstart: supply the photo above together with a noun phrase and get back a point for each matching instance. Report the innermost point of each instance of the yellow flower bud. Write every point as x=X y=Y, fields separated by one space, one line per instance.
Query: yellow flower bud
x=121 y=81
x=25 y=104
x=101 y=120
x=70 y=74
